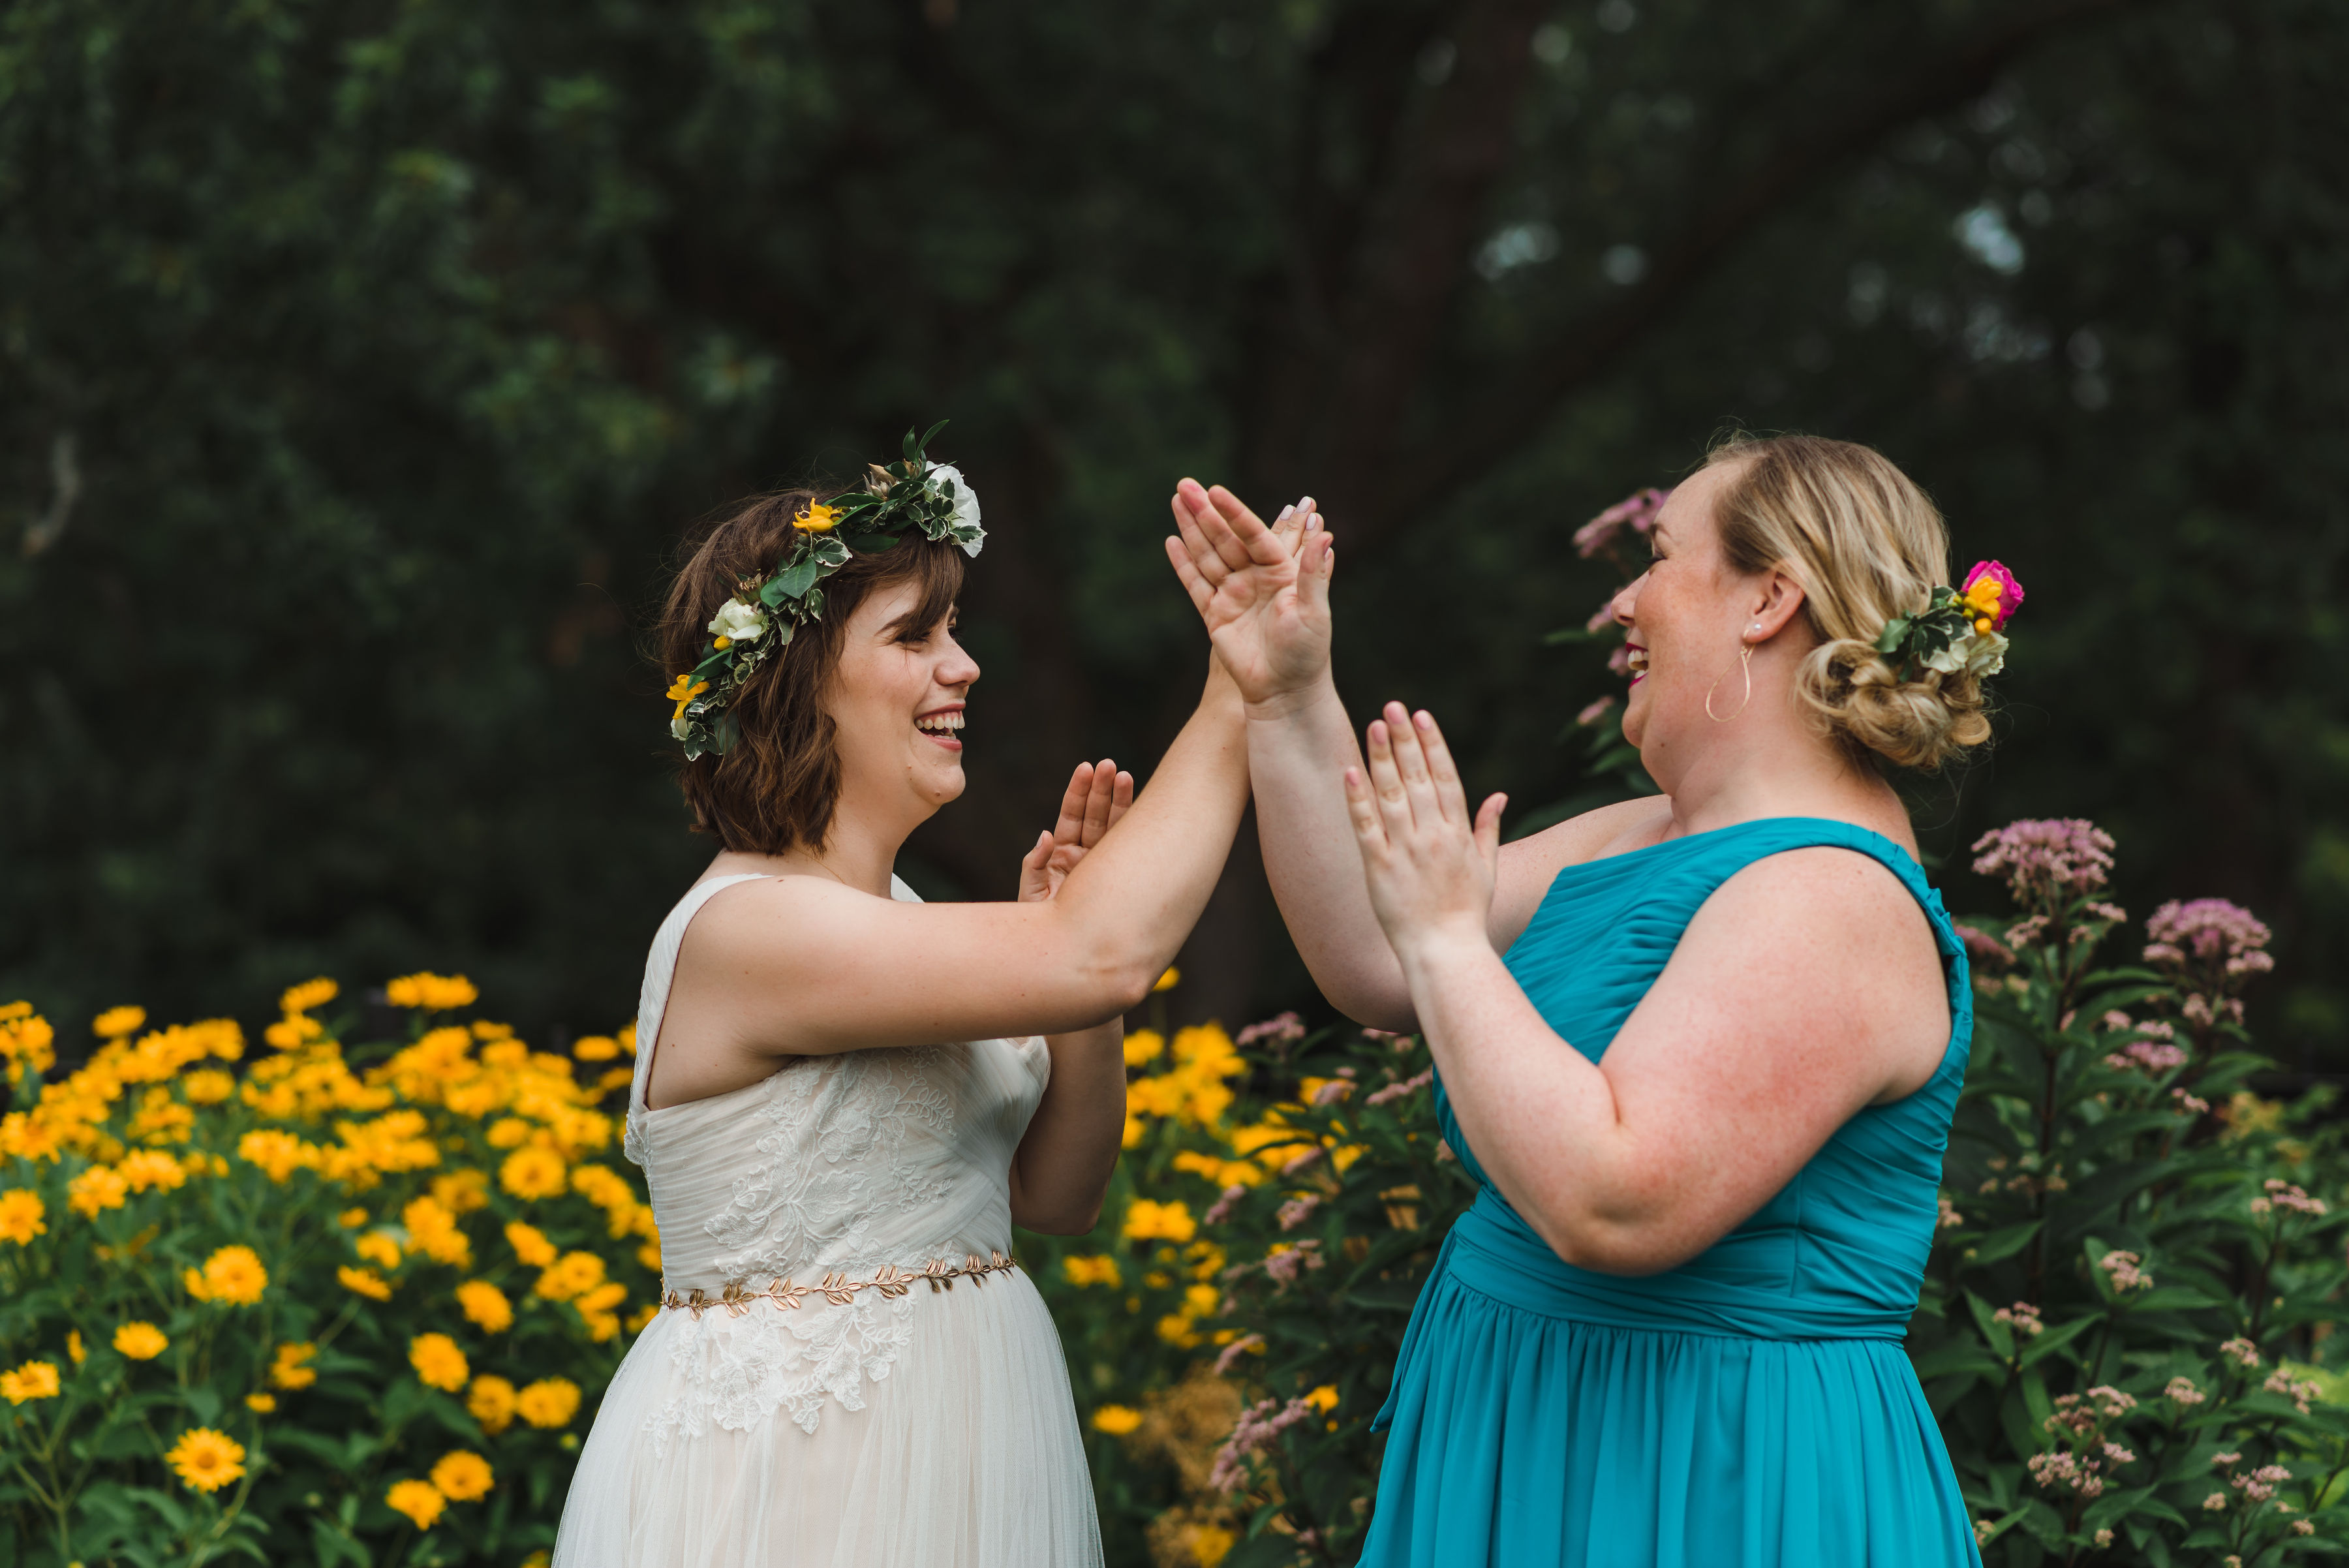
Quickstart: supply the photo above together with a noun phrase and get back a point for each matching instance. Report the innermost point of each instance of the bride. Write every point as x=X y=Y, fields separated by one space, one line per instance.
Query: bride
x=845 y=1098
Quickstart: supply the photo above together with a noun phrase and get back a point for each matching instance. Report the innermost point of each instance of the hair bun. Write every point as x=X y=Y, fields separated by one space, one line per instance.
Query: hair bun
x=1921 y=723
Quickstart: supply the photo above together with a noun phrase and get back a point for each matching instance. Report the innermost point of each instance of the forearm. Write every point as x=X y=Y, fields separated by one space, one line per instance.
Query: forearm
x=1299 y=747
x=1544 y=1120
x=1137 y=894
x=1062 y=1167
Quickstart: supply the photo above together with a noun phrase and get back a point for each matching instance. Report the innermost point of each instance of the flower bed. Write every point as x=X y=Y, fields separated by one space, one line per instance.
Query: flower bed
x=300 y=1301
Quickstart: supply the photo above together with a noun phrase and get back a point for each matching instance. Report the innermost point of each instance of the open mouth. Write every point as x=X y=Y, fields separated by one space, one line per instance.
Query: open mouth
x=943 y=725
x=1638 y=662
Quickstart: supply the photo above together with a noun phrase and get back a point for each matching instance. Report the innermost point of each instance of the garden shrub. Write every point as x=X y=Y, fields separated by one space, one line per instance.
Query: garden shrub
x=310 y=1305
x=2123 y=1321
x=312 y=1302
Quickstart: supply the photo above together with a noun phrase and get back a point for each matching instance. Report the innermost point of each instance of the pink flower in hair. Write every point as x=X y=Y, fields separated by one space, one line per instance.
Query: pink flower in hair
x=1992 y=593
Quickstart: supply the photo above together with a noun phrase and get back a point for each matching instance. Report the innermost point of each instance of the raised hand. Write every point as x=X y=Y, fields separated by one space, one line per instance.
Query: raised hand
x=1430 y=867
x=1263 y=591
x=1098 y=795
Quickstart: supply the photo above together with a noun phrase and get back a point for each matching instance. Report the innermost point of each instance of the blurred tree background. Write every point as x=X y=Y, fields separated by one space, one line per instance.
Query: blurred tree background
x=361 y=363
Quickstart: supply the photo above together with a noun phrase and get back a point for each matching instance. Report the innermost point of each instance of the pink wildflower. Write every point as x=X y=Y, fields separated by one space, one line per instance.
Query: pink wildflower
x=2123 y=1269
x=1282 y=1029
x=1235 y=1349
x=1636 y=513
x=2182 y=1391
x=2244 y=1353
x=1401 y=1088
x=1284 y=1267
x=1298 y=1210
x=2194 y=1103
x=2046 y=860
x=1224 y=1205
x=1950 y=1218
x=1602 y=618
x=1595 y=711
x=2210 y=944
x=1254 y=1432
x=1620 y=661
x=1300 y=1162
x=1985 y=950
x=2023 y=1316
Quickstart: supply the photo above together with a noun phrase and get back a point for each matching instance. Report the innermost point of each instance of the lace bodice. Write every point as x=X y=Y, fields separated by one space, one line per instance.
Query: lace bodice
x=848 y=1162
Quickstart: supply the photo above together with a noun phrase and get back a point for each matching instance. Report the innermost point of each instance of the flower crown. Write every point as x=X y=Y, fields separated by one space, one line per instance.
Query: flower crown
x=913 y=493
x=1959 y=630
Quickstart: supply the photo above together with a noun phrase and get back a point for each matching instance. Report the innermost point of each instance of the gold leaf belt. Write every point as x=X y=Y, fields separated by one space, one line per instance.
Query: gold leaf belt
x=840 y=1290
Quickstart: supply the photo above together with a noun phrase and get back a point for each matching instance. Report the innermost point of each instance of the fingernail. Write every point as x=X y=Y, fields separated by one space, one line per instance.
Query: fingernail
x=1423 y=719
x=1286 y=512
x=1306 y=501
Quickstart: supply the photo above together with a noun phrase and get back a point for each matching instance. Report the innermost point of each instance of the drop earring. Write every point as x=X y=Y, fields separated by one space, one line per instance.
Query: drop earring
x=1746 y=667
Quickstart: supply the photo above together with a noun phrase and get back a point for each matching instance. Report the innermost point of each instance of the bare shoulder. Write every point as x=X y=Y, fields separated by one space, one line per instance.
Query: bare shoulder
x=777 y=916
x=1830 y=938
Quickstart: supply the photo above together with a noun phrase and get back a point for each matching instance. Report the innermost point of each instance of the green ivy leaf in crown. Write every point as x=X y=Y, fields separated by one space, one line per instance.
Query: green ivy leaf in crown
x=911 y=494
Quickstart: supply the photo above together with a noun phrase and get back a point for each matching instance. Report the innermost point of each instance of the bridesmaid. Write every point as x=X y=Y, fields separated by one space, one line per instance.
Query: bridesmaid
x=1700 y=1050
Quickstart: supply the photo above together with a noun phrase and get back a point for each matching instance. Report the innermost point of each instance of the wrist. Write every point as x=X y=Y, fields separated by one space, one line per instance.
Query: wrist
x=1440 y=946
x=1280 y=707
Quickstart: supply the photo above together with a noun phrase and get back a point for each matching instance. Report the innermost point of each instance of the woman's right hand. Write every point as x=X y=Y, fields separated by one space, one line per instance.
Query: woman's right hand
x=1263 y=591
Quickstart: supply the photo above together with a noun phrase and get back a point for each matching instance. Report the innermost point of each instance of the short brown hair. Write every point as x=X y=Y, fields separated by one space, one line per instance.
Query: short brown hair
x=1866 y=545
x=775 y=789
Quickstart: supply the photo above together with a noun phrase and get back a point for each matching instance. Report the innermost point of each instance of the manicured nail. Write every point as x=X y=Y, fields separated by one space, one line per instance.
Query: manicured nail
x=1284 y=514
x=1306 y=501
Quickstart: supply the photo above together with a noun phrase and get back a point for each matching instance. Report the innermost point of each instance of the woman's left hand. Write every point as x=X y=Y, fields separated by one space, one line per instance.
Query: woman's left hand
x=1430 y=867
x=1098 y=795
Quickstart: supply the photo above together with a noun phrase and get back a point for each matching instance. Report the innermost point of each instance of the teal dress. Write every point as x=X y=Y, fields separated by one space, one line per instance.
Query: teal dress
x=1750 y=1409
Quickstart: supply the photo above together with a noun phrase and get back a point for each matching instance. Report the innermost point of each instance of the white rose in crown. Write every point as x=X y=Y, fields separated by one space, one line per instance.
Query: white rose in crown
x=1978 y=653
x=738 y=621
x=965 y=503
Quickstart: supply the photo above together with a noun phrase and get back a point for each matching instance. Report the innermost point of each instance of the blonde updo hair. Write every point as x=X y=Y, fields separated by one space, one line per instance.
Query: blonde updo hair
x=1867 y=545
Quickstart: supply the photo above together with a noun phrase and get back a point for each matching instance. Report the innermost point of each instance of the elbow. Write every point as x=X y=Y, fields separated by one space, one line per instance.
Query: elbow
x=1075 y=1219
x=1628 y=1241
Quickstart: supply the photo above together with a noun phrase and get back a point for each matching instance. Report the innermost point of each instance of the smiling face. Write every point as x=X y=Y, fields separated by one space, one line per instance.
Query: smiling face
x=897 y=702
x=1684 y=618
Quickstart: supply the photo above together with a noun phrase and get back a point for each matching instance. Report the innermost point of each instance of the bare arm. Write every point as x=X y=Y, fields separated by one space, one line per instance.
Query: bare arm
x=1807 y=988
x=1267 y=606
x=802 y=966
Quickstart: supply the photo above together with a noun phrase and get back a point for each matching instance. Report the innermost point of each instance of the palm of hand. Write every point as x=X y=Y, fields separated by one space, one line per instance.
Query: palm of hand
x=1268 y=632
x=1098 y=795
x=1263 y=591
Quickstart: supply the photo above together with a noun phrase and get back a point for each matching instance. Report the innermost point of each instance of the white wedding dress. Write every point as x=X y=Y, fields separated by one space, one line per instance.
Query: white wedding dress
x=909 y=1423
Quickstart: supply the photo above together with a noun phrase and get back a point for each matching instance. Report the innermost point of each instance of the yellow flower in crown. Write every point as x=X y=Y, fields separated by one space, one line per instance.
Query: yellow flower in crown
x=817 y=518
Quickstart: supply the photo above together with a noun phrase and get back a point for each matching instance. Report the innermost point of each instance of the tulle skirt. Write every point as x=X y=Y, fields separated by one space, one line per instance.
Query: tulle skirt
x=943 y=1436
x=1521 y=1439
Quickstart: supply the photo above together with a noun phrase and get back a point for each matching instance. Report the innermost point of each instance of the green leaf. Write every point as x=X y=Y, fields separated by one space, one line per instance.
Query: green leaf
x=1895 y=629
x=2047 y=1343
x=2003 y=1244
x=933 y=435
x=795 y=581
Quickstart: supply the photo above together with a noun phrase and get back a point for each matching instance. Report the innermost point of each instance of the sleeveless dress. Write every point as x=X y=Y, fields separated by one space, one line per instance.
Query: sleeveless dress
x=918 y=1414
x=1753 y=1407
